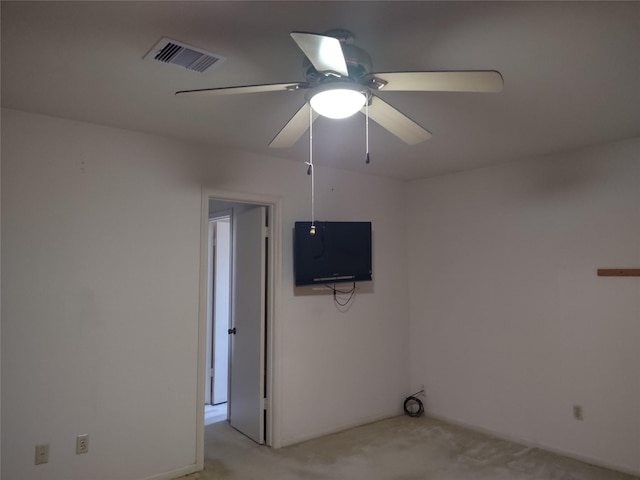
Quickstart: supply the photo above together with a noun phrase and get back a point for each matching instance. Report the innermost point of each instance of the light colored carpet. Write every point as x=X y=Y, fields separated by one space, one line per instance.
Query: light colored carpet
x=400 y=448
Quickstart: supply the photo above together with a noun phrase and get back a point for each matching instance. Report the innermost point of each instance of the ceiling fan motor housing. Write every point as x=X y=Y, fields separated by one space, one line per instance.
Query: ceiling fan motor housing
x=337 y=84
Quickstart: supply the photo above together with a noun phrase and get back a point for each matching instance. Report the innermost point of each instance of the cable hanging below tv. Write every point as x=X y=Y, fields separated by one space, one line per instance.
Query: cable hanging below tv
x=337 y=252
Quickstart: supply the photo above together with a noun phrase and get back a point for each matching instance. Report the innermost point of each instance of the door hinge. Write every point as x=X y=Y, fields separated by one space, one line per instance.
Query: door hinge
x=266 y=232
x=265 y=404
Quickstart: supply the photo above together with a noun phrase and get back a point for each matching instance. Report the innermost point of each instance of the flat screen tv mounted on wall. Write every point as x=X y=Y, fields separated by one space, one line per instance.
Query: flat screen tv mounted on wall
x=337 y=252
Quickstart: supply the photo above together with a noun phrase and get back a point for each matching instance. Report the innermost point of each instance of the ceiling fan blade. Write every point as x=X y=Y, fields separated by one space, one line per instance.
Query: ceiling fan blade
x=324 y=52
x=295 y=127
x=271 y=87
x=396 y=122
x=461 y=81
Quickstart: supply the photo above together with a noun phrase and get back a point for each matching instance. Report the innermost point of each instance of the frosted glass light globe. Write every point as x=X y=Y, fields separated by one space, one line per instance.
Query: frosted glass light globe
x=338 y=102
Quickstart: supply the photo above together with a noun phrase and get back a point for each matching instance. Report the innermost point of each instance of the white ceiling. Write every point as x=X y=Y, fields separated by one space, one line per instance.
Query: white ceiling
x=571 y=72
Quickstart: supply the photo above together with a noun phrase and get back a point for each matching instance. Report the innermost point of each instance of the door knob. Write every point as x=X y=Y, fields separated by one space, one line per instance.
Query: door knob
x=232 y=331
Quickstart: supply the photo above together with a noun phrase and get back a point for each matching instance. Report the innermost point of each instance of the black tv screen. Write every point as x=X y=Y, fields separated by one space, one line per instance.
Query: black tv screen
x=337 y=252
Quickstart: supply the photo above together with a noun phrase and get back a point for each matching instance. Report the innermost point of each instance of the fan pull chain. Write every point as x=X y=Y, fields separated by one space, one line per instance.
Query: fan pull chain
x=367 y=160
x=312 y=230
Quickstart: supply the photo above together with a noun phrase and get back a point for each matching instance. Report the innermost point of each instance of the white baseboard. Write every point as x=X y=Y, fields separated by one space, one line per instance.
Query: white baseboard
x=532 y=444
x=180 y=472
x=340 y=428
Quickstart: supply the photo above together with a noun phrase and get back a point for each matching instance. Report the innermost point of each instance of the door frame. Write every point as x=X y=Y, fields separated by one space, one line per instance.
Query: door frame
x=274 y=257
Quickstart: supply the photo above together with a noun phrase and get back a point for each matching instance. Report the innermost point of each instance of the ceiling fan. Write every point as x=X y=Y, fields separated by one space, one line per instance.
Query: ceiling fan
x=339 y=83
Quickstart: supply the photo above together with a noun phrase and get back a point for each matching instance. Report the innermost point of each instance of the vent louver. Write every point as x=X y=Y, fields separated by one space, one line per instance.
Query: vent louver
x=182 y=55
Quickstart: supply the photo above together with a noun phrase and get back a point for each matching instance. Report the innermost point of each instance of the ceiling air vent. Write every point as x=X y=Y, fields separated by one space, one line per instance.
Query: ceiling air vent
x=185 y=56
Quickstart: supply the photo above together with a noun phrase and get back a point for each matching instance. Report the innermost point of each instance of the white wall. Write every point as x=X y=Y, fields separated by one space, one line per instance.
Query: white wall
x=100 y=243
x=100 y=281
x=510 y=326
x=336 y=369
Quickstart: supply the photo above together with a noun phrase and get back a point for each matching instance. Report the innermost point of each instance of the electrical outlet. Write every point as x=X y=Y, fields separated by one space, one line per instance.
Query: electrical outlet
x=82 y=443
x=42 y=454
x=577 y=412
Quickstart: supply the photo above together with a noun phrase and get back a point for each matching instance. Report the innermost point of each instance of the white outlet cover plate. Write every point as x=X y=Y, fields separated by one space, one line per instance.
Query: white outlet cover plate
x=82 y=443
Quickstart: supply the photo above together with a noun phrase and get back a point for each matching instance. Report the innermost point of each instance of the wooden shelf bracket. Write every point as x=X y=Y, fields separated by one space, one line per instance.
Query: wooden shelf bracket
x=619 y=272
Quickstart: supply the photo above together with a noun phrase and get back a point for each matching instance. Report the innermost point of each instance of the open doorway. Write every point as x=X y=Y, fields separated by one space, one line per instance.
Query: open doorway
x=218 y=316
x=244 y=335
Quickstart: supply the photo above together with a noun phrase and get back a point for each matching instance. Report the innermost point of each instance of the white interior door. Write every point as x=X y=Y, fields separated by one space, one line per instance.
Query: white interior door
x=246 y=407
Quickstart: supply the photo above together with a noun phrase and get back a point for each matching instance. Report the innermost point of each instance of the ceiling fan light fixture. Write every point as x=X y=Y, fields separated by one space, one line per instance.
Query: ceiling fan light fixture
x=338 y=100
